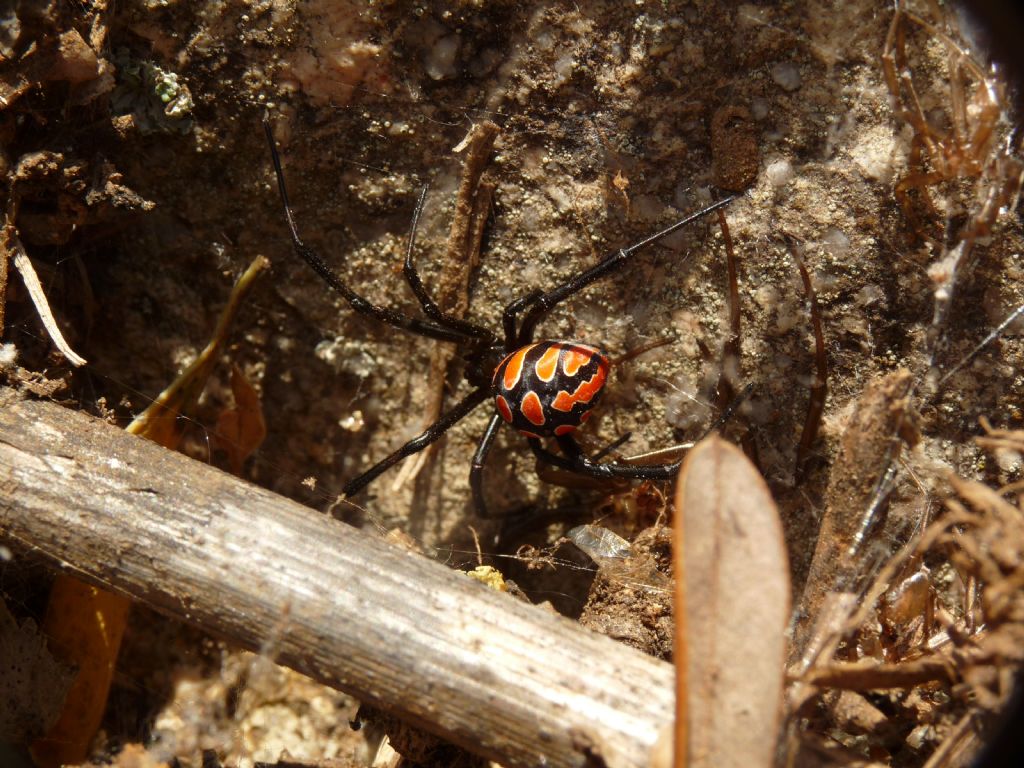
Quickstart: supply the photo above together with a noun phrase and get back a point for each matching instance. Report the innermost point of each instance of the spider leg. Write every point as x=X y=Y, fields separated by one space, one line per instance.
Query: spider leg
x=576 y=461
x=387 y=315
x=508 y=317
x=540 y=305
x=613 y=445
x=430 y=308
x=418 y=443
x=476 y=472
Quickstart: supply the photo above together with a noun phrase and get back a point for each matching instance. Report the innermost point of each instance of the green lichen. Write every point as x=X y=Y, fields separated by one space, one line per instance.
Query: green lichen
x=158 y=100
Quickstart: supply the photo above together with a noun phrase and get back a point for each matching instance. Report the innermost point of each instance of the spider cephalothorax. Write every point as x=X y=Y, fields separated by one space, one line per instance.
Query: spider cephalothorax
x=544 y=389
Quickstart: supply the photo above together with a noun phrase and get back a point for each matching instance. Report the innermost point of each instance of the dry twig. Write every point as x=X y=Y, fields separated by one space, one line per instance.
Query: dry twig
x=394 y=629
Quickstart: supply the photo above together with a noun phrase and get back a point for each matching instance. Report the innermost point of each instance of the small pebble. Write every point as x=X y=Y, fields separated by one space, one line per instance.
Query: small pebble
x=787 y=75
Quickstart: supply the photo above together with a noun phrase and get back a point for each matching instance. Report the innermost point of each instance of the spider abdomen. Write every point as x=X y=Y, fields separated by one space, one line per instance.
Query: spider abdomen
x=548 y=388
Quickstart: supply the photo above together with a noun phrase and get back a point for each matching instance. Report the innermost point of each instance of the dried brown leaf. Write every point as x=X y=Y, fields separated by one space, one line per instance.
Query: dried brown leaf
x=240 y=430
x=732 y=593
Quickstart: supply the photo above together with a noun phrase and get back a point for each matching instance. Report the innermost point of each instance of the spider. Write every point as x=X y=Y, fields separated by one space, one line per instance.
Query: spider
x=544 y=389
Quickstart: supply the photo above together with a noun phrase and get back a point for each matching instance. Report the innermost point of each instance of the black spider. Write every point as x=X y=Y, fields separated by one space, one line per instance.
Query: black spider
x=544 y=389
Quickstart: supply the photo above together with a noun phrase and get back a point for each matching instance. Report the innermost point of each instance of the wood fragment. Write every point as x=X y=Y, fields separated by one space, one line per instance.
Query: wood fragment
x=468 y=208
x=85 y=624
x=462 y=257
x=819 y=386
x=869 y=446
x=499 y=677
x=871 y=675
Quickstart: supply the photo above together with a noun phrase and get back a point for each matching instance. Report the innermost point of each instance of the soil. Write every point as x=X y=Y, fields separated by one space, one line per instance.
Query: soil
x=132 y=140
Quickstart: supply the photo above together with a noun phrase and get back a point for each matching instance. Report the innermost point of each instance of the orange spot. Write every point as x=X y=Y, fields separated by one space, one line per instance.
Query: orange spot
x=524 y=433
x=592 y=386
x=565 y=429
x=548 y=363
x=514 y=366
x=503 y=409
x=575 y=358
x=564 y=401
x=532 y=409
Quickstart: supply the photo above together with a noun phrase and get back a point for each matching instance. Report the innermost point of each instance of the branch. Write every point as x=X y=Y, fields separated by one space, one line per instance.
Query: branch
x=502 y=678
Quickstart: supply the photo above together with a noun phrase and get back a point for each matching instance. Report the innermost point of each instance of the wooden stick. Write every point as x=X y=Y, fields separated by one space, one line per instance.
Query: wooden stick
x=502 y=678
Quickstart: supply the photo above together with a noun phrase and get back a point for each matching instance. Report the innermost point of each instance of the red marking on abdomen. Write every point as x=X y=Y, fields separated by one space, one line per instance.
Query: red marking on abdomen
x=564 y=401
x=565 y=429
x=532 y=409
x=548 y=363
x=503 y=409
x=514 y=366
x=575 y=358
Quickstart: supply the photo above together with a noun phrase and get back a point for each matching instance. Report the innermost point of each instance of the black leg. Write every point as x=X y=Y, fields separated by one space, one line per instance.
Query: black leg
x=430 y=308
x=431 y=434
x=545 y=302
x=476 y=472
x=614 y=444
x=386 y=315
x=508 y=319
x=575 y=461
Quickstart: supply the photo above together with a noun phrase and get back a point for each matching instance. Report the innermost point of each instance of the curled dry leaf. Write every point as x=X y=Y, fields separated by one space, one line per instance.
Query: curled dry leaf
x=240 y=430
x=84 y=626
x=732 y=607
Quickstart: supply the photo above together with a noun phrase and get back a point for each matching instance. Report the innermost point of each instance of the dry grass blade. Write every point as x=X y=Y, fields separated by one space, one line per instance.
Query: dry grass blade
x=35 y=291
x=159 y=422
x=732 y=593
